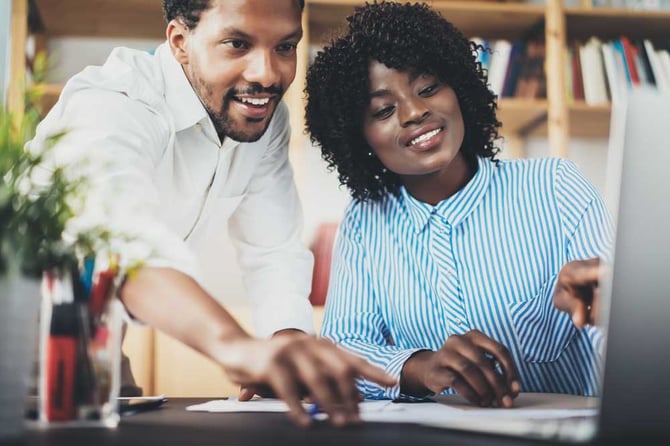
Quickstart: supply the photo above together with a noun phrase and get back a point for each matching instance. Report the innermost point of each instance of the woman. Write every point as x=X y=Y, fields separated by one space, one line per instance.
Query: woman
x=453 y=271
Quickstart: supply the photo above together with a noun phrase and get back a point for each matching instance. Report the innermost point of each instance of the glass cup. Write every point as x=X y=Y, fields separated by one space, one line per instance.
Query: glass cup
x=80 y=347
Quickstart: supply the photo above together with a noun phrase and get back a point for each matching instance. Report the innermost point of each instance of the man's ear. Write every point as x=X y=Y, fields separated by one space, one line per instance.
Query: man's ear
x=177 y=36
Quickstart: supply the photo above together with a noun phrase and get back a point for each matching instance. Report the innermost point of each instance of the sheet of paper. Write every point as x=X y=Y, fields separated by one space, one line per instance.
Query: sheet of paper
x=274 y=405
x=444 y=411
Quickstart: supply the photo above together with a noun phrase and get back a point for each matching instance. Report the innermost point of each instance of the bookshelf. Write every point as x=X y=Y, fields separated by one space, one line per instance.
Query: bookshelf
x=553 y=117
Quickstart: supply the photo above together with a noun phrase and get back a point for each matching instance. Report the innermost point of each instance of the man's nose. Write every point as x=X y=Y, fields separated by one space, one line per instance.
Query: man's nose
x=262 y=70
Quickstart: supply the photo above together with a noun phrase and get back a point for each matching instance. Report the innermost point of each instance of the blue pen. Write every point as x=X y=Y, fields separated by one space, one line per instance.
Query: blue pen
x=313 y=409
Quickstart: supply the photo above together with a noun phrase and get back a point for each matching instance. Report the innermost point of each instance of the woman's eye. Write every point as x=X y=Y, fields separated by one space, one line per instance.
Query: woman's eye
x=429 y=90
x=383 y=113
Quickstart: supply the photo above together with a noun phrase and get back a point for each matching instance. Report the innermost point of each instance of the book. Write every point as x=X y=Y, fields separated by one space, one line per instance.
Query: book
x=662 y=82
x=593 y=74
x=498 y=66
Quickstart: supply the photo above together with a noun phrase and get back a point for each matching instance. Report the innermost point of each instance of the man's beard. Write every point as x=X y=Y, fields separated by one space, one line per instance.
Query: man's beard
x=226 y=127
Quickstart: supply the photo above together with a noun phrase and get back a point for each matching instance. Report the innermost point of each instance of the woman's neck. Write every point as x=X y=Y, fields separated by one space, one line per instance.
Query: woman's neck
x=437 y=186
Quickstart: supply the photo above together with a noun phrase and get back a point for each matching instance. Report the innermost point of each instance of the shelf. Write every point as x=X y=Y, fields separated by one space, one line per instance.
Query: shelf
x=586 y=121
x=611 y=23
x=474 y=18
x=589 y=121
x=108 y=18
x=521 y=116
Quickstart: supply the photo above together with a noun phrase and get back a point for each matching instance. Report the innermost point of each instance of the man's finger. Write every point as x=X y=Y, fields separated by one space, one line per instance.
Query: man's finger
x=343 y=378
x=368 y=371
x=246 y=393
x=284 y=385
x=316 y=378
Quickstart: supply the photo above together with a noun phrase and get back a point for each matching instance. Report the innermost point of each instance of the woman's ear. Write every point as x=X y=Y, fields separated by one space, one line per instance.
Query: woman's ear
x=177 y=36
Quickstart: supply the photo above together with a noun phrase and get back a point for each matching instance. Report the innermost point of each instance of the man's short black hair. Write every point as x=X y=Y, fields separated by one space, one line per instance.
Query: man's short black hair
x=189 y=10
x=407 y=37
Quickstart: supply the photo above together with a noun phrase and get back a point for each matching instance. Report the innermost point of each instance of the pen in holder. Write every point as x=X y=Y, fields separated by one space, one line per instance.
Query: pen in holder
x=80 y=346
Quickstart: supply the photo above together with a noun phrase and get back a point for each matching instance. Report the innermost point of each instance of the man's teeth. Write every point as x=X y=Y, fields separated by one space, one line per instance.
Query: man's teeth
x=255 y=101
x=424 y=137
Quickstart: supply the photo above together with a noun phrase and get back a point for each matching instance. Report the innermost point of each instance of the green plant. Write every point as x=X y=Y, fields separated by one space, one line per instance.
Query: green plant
x=36 y=201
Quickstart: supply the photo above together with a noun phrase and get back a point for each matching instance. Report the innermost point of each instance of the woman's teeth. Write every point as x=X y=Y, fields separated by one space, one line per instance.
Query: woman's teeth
x=424 y=137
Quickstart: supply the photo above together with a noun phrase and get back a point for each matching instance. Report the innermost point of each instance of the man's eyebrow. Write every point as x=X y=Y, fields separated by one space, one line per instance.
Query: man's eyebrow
x=234 y=32
x=237 y=33
x=297 y=34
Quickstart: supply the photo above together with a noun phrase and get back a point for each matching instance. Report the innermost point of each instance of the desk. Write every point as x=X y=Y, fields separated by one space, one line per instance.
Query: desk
x=173 y=425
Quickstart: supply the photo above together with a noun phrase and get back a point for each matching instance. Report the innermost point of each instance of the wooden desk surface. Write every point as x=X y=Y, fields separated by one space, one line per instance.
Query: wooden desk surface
x=173 y=425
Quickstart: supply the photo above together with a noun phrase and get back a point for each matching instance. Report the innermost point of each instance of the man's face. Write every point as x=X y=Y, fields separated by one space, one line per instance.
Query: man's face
x=241 y=58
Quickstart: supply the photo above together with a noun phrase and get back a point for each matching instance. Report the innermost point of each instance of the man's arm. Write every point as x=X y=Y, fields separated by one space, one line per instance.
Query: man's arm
x=289 y=365
x=123 y=141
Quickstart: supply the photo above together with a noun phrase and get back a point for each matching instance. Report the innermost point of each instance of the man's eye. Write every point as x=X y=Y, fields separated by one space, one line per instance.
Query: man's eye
x=287 y=47
x=236 y=44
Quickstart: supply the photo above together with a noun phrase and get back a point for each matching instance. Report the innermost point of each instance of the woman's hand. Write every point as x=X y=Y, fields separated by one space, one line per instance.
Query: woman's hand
x=298 y=365
x=577 y=290
x=474 y=365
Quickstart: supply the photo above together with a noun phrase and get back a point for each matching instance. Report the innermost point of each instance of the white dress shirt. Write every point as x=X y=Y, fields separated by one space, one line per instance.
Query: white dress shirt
x=164 y=177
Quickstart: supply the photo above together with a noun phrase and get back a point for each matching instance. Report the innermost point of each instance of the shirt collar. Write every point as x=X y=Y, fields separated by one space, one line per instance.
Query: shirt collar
x=184 y=104
x=455 y=209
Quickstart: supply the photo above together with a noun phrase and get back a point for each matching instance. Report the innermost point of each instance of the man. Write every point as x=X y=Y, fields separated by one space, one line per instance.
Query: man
x=186 y=141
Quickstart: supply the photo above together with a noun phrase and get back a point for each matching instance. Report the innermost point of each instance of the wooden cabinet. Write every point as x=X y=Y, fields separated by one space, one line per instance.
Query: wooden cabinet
x=161 y=364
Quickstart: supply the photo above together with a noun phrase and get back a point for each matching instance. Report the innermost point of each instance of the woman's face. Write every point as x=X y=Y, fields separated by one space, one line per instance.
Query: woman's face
x=413 y=122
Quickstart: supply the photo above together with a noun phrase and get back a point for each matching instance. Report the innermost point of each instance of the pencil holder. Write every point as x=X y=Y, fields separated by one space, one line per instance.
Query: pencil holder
x=80 y=346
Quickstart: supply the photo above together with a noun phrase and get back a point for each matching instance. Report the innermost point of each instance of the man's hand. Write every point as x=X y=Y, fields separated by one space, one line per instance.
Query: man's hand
x=474 y=365
x=248 y=392
x=577 y=290
x=298 y=365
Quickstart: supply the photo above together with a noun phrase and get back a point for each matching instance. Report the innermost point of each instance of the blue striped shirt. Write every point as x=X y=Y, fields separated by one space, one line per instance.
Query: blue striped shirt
x=406 y=274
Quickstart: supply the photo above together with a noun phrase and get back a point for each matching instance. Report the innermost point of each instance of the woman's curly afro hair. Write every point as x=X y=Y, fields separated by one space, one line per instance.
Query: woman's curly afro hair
x=406 y=37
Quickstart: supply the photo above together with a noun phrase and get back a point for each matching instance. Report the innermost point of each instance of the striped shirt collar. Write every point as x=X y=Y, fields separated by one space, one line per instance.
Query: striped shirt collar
x=455 y=209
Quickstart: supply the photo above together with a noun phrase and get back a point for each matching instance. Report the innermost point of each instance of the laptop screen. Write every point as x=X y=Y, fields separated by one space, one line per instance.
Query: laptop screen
x=636 y=384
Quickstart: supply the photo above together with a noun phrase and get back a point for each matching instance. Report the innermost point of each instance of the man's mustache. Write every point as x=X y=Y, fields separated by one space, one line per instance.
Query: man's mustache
x=255 y=89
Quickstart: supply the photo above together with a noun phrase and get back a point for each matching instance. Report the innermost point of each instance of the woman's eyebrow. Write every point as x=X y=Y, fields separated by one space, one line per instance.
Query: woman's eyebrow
x=379 y=93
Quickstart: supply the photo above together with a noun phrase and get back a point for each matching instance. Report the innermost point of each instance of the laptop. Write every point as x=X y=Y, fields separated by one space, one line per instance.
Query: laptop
x=635 y=302
x=636 y=384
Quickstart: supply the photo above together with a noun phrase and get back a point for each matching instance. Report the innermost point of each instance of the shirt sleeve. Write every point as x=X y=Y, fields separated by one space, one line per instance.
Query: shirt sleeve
x=587 y=224
x=267 y=231
x=116 y=142
x=352 y=317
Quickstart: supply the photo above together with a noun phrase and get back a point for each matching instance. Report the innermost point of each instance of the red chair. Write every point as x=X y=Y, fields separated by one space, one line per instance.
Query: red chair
x=322 y=248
